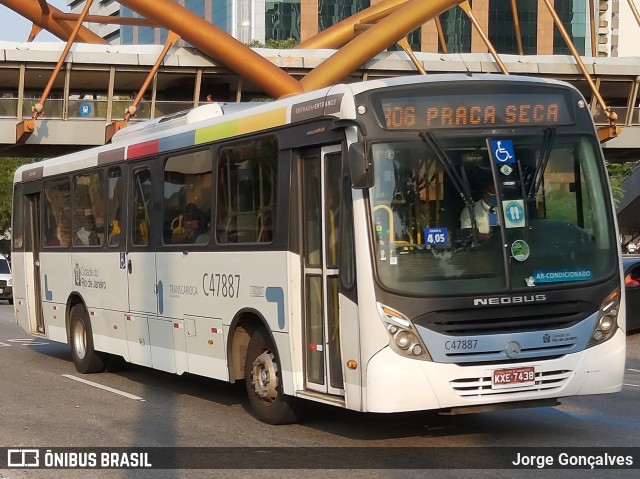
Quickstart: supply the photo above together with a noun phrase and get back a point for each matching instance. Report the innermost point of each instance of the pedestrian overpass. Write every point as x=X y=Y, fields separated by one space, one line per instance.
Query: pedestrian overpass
x=99 y=82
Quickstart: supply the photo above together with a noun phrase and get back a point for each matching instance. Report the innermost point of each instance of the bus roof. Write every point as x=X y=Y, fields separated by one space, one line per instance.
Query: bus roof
x=217 y=121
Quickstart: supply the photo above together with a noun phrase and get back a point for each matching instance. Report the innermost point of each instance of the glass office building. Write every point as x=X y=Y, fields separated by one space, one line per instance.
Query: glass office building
x=264 y=20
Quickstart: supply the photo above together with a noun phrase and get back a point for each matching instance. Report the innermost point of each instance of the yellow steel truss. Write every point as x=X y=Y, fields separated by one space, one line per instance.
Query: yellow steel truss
x=356 y=39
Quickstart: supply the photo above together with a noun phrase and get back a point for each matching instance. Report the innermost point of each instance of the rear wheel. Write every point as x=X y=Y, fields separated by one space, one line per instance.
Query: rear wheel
x=85 y=358
x=263 y=377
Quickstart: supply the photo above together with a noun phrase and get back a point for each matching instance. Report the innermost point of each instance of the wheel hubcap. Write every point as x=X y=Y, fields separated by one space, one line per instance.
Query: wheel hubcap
x=80 y=340
x=264 y=376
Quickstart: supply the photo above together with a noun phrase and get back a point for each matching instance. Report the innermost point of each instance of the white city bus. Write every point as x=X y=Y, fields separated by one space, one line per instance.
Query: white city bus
x=334 y=247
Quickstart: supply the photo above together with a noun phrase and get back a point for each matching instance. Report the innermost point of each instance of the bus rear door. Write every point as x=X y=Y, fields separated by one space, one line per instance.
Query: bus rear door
x=141 y=265
x=141 y=258
x=33 y=242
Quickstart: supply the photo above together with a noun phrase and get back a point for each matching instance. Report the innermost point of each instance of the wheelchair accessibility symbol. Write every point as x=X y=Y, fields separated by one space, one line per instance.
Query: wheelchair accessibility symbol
x=503 y=151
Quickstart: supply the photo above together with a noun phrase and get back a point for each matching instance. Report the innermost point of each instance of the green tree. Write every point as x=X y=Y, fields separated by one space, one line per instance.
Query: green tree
x=8 y=167
x=271 y=43
x=618 y=172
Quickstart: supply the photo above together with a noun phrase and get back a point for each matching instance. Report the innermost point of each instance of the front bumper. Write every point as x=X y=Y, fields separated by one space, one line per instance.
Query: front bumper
x=395 y=383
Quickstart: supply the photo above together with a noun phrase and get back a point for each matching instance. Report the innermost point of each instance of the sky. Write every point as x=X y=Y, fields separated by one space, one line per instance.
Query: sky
x=16 y=28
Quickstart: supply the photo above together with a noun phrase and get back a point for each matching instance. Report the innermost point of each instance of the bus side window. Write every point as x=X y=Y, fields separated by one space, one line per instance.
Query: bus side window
x=141 y=221
x=187 y=198
x=18 y=217
x=88 y=210
x=247 y=192
x=57 y=212
x=114 y=206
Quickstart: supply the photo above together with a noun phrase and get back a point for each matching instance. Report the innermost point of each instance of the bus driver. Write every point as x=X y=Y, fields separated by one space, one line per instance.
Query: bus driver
x=485 y=212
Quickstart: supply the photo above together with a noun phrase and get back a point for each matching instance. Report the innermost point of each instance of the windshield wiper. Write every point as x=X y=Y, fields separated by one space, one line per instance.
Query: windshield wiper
x=462 y=186
x=461 y=183
x=545 y=152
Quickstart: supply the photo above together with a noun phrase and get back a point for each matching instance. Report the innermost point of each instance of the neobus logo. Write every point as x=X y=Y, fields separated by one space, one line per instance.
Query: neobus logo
x=529 y=298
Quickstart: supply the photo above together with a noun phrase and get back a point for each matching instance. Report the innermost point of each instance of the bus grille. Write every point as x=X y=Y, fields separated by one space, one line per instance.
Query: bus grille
x=508 y=319
x=481 y=387
x=3 y=283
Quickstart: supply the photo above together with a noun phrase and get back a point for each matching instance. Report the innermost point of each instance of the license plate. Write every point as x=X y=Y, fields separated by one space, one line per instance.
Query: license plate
x=516 y=377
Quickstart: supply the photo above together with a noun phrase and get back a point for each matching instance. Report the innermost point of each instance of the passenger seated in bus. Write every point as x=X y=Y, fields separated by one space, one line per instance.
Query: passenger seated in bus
x=484 y=211
x=190 y=230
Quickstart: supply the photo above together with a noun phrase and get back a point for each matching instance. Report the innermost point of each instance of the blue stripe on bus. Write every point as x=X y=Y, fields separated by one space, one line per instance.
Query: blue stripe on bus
x=175 y=142
x=160 y=297
x=276 y=295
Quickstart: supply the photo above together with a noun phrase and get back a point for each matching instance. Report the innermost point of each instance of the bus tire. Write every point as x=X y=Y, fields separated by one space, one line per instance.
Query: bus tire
x=85 y=358
x=263 y=378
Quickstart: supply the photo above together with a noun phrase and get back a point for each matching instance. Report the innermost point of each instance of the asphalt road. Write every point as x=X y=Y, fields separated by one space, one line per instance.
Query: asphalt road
x=43 y=404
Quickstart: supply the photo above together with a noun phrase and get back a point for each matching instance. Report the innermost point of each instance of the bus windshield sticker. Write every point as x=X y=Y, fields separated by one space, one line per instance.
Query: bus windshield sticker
x=520 y=250
x=503 y=152
x=513 y=213
x=436 y=236
x=506 y=170
x=530 y=281
x=554 y=276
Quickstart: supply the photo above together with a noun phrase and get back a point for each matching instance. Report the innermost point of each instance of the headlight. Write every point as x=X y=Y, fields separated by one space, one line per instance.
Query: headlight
x=403 y=338
x=607 y=319
x=10 y=282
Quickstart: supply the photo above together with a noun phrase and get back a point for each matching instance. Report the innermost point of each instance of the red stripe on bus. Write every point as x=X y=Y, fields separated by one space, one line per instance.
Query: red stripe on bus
x=142 y=149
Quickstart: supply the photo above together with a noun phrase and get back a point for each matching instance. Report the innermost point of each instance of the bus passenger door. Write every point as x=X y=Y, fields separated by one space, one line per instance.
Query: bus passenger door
x=141 y=258
x=33 y=241
x=321 y=185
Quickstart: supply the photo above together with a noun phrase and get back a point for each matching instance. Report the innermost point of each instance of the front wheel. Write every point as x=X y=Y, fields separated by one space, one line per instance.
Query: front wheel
x=85 y=358
x=263 y=377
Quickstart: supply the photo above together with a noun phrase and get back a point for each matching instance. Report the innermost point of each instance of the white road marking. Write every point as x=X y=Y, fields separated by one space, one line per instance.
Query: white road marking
x=106 y=388
x=29 y=342
x=631 y=385
x=634 y=370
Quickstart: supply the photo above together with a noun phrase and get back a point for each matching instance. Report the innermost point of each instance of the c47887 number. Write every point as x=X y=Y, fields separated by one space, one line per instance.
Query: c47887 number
x=221 y=285
x=461 y=345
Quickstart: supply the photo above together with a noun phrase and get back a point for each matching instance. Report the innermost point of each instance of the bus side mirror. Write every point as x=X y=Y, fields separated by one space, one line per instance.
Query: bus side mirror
x=360 y=168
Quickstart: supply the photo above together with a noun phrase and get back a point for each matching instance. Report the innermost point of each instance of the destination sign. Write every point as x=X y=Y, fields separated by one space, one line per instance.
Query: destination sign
x=473 y=110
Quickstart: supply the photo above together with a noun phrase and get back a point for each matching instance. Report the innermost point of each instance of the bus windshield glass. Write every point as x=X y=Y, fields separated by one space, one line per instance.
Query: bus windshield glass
x=479 y=215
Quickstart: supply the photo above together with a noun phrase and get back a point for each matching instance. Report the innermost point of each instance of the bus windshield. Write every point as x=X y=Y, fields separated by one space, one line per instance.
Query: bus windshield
x=476 y=215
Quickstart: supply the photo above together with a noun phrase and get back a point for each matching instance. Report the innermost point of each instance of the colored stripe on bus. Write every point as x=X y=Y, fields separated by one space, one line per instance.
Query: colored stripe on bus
x=252 y=123
x=262 y=121
x=175 y=142
x=216 y=132
x=142 y=149
x=110 y=156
